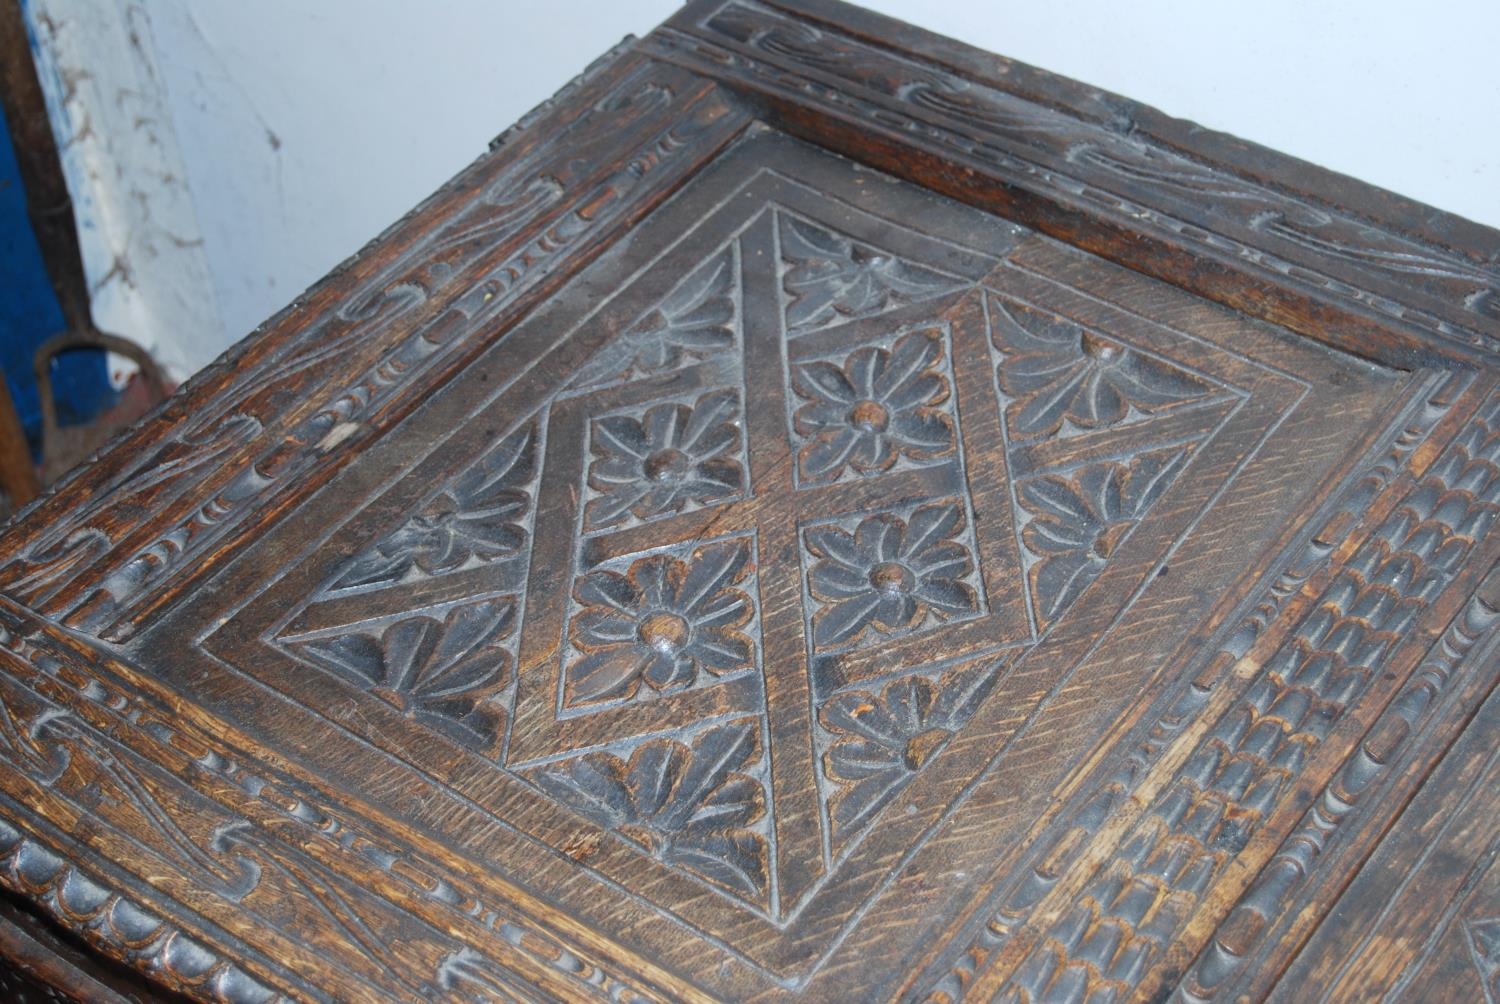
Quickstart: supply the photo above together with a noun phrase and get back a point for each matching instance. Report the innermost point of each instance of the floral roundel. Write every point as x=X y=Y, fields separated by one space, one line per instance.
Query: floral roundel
x=875 y=406
x=663 y=623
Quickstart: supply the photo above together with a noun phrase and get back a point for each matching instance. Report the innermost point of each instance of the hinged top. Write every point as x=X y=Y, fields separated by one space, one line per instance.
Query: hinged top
x=817 y=512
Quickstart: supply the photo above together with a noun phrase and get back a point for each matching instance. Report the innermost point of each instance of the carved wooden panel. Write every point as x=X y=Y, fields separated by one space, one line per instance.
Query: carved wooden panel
x=714 y=551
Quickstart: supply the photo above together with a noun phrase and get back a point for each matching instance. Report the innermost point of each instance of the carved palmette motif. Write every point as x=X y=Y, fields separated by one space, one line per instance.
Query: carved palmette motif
x=699 y=318
x=883 y=738
x=698 y=607
x=1074 y=521
x=830 y=278
x=482 y=516
x=443 y=667
x=696 y=804
x=1060 y=377
x=650 y=721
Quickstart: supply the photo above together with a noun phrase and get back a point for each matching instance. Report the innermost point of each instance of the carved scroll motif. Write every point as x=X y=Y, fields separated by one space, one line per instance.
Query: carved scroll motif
x=400 y=306
x=137 y=936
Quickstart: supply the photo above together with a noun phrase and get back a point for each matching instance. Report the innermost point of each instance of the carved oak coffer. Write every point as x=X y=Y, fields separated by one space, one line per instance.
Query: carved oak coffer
x=817 y=512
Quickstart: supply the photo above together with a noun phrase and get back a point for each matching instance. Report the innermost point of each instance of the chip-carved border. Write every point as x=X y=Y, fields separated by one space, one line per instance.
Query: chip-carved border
x=117 y=926
x=1400 y=324
x=972 y=969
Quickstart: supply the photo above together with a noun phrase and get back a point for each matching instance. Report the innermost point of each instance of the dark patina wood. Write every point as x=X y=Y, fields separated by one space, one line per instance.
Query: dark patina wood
x=817 y=512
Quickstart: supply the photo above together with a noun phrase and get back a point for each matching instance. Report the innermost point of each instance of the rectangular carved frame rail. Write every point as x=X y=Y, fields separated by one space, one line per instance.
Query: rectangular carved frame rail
x=816 y=512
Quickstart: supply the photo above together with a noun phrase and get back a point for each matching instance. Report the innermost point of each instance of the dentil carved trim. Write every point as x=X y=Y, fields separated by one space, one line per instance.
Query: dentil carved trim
x=121 y=929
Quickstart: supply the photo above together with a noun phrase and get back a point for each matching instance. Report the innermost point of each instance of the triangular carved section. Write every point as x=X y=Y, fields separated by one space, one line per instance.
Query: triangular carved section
x=1484 y=947
x=883 y=736
x=1060 y=378
x=448 y=669
x=1074 y=521
x=698 y=804
x=828 y=277
x=483 y=514
x=699 y=319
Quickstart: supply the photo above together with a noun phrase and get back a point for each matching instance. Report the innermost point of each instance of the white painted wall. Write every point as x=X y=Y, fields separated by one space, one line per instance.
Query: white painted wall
x=149 y=275
x=304 y=127
x=308 y=127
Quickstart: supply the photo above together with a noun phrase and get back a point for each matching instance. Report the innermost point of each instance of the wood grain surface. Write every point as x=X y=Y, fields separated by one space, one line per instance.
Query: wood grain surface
x=816 y=512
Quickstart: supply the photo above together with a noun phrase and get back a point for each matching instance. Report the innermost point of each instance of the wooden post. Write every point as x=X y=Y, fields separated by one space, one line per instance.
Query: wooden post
x=17 y=473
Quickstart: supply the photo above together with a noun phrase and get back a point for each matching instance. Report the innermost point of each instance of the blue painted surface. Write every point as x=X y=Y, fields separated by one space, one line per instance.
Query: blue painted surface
x=29 y=315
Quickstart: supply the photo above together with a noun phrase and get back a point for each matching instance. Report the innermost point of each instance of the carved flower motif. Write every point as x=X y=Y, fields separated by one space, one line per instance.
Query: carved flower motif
x=831 y=278
x=663 y=623
x=890 y=574
x=673 y=456
x=689 y=805
x=1053 y=369
x=879 y=405
x=476 y=518
x=1079 y=520
x=884 y=739
x=441 y=672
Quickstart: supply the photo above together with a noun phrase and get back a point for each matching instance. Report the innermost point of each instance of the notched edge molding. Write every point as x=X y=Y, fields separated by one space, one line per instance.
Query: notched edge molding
x=1242 y=955
x=469 y=916
x=121 y=928
x=1380 y=482
x=564 y=93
